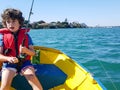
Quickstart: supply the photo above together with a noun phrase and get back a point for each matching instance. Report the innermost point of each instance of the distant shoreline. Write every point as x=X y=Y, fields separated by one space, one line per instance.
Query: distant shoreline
x=57 y=25
x=53 y=25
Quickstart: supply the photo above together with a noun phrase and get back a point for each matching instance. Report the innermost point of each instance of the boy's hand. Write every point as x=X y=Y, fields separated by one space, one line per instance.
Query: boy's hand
x=29 y=51
x=12 y=59
x=22 y=49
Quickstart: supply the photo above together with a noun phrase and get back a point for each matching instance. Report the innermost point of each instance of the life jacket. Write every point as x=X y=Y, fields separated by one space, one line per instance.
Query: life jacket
x=10 y=44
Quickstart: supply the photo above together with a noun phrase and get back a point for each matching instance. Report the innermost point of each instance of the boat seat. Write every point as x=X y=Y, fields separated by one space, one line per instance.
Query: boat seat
x=48 y=74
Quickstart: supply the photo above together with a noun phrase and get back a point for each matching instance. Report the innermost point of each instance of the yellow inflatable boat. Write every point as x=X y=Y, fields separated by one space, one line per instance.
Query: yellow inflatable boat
x=57 y=71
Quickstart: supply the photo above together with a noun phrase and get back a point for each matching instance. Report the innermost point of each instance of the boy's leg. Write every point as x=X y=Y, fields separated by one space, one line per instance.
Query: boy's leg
x=29 y=74
x=6 y=78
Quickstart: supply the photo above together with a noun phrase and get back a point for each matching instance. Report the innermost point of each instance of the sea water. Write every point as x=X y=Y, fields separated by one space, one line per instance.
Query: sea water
x=97 y=49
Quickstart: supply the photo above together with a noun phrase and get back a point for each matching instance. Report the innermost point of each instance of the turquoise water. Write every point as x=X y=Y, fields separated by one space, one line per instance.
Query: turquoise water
x=97 y=49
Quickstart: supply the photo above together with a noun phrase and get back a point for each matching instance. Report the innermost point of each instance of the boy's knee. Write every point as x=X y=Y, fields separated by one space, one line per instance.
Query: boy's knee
x=30 y=77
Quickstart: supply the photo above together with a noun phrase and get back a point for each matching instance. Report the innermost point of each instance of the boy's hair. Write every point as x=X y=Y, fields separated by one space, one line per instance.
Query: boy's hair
x=13 y=14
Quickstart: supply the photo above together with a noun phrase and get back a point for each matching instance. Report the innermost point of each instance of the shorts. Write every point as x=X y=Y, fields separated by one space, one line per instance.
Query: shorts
x=17 y=68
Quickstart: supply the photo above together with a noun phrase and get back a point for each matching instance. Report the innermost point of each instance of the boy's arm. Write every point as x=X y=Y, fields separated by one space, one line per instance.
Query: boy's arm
x=29 y=51
x=4 y=58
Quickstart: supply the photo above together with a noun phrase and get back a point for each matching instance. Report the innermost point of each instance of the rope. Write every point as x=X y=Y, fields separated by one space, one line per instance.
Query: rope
x=107 y=74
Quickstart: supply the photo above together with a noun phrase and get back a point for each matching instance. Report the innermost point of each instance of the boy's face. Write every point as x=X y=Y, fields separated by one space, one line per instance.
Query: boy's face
x=13 y=25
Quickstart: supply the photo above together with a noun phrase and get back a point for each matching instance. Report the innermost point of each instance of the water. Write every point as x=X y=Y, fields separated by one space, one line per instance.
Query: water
x=97 y=49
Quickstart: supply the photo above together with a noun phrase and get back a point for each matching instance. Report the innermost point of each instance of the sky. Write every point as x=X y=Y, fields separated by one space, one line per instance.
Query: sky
x=90 y=12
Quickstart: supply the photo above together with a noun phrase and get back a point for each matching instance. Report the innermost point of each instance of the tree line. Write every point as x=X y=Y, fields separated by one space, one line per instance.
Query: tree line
x=53 y=25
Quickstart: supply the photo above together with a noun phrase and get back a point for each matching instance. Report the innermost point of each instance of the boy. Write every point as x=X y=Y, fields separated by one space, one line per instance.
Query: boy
x=11 y=47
